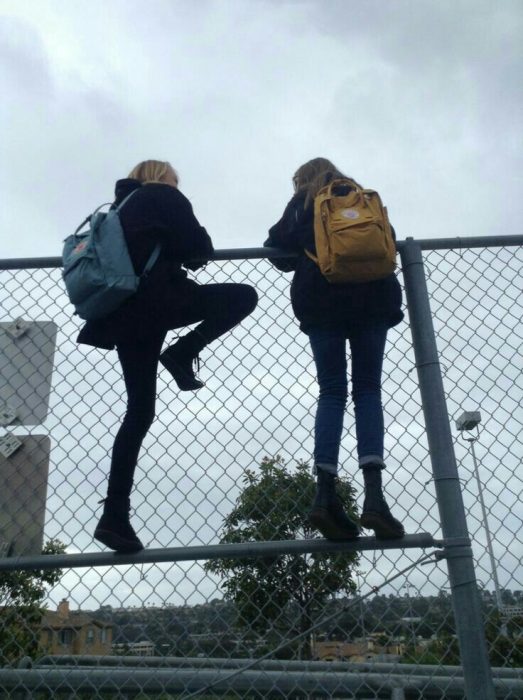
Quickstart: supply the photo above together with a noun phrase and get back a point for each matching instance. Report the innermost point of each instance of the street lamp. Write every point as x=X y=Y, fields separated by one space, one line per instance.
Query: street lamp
x=410 y=620
x=468 y=421
x=362 y=614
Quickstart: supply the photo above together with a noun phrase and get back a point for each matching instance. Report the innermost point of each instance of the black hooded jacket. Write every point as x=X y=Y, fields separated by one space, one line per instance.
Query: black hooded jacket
x=317 y=302
x=155 y=213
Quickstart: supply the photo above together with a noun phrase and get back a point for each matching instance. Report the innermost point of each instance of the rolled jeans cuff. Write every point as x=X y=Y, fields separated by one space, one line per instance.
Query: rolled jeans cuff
x=371 y=459
x=330 y=468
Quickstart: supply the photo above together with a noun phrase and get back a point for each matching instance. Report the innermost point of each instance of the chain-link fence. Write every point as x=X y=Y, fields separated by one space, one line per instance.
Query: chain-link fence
x=231 y=464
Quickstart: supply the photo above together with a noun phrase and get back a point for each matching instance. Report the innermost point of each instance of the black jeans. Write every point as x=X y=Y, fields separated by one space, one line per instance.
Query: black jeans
x=218 y=308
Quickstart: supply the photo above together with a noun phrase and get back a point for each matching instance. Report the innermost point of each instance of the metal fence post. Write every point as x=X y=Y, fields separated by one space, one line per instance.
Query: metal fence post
x=465 y=597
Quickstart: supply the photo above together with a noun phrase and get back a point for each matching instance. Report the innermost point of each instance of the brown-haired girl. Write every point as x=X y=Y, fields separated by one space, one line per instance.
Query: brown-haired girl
x=330 y=314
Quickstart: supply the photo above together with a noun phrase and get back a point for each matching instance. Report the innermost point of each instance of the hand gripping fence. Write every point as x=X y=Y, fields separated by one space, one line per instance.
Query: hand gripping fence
x=277 y=619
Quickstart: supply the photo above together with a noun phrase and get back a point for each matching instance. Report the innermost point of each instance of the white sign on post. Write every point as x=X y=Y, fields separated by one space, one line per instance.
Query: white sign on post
x=26 y=366
x=23 y=492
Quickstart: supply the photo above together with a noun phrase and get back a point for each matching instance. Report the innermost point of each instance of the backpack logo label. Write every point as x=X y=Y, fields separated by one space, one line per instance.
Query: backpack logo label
x=80 y=247
x=350 y=214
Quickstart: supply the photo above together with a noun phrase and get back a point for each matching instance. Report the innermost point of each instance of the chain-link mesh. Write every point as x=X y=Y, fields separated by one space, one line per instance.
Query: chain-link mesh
x=173 y=630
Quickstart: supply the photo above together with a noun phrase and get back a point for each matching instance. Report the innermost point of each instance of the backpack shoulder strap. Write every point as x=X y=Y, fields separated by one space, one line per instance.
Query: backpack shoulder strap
x=311 y=255
x=339 y=182
x=126 y=199
x=89 y=216
x=82 y=224
x=157 y=248
x=152 y=259
x=117 y=209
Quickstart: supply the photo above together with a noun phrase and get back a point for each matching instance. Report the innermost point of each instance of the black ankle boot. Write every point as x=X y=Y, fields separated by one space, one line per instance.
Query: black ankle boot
x=376 y=514
x=327 y=514
x=178 y=360
x=114 y=529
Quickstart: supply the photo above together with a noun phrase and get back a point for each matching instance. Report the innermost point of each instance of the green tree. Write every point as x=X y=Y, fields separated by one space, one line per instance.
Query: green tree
x=503 y=651
x=21 y=610
x=443 y=650
x=281 y=595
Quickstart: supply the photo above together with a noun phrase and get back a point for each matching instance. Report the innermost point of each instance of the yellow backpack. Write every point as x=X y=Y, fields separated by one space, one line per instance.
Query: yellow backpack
x=352 y=233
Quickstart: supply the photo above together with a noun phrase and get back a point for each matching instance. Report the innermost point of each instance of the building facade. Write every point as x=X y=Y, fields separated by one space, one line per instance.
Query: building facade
x=67 y=632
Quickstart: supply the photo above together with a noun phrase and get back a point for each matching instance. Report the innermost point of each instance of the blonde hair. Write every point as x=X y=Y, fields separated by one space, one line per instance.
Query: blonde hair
x=152 y=171
x=315 y=174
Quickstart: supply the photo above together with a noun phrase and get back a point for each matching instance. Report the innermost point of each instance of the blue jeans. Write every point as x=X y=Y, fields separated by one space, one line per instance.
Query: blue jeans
x=367 y=347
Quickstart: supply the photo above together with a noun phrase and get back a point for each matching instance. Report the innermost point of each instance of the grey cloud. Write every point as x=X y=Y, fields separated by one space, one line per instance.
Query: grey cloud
x=24 y=63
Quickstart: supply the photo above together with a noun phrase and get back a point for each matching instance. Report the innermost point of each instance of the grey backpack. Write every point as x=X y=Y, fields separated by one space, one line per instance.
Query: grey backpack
x=97 y=268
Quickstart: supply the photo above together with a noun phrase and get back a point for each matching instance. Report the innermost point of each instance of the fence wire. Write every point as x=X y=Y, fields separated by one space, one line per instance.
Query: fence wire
x=256 y=413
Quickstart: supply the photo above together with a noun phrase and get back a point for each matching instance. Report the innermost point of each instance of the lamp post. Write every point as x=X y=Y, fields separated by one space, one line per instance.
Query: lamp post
x=362 y=614
x=466 y=422
x=410 y=620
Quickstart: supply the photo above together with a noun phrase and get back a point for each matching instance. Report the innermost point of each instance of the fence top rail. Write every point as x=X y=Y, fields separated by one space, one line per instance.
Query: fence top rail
x=259 y=253
x=214 y=551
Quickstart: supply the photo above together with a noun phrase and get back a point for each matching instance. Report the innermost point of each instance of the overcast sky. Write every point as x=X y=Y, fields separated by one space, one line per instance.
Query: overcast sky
x=420 y=99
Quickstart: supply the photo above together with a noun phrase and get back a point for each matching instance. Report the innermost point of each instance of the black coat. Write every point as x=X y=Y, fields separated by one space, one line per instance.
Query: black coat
x=156 y=213
x=317 y=302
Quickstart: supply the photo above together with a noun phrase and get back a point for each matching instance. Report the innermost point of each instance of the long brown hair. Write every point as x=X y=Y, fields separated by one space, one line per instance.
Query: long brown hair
x=315 y=174
x=152 y=171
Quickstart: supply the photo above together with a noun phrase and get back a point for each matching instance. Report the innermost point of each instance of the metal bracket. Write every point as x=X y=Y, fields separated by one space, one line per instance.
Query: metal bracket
x=17 y=328
x=8 y=414
x=454 y=553
x=9 y=444
x=5 y=548
x=456 y=542
x=455 y=547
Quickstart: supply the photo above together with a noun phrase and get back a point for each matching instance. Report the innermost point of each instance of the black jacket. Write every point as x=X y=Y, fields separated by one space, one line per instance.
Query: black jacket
x=156 y=213
x=317 y=302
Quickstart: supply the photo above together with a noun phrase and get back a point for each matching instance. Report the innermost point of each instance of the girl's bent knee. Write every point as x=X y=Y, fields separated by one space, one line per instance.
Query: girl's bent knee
x=250 y=296
x=246 y=298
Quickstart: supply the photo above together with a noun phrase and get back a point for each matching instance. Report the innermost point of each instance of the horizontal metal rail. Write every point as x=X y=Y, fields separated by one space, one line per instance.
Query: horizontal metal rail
x=214 y=551
x=326 y=684
x=259 y=253
x=72 y=661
